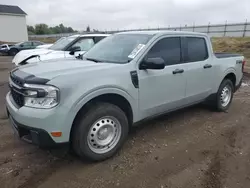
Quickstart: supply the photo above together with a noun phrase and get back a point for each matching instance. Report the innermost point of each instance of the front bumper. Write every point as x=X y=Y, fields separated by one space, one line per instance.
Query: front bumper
x=32 y=135
x=36 y=125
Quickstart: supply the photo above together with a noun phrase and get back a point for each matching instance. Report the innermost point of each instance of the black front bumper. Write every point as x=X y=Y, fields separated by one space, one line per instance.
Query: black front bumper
x=34 y=136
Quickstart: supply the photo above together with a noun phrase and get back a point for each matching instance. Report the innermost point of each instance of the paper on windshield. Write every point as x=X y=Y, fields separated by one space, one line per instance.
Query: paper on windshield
x=136 y=51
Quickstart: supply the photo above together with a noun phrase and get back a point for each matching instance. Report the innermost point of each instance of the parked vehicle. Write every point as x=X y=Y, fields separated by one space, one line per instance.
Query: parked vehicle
x=23 y=46
x=4 y=48
x=68 y=47
x=124 y=79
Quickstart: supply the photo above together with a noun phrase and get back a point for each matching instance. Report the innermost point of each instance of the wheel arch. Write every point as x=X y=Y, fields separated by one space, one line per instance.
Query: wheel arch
x=232 y=77
x=116 y=97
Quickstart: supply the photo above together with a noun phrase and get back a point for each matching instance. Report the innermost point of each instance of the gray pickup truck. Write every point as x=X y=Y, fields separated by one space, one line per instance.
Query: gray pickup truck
x=127 y=77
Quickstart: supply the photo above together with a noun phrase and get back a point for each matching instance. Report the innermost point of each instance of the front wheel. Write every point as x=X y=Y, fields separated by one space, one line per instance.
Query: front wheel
x=224 y=95
x=13 y=52
x=100 y=132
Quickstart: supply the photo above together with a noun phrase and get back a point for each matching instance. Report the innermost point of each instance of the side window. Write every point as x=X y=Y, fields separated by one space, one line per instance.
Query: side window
x=25 y=44
x=196 y=49
x=169 y=49
x=85 y=44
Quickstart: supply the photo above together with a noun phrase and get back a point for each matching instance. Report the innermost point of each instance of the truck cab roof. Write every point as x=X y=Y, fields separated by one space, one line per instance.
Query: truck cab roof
x=164 y=32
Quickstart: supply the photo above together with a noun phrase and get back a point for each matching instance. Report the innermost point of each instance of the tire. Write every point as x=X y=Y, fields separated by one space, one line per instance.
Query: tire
x=100 y=132
x=13 y=52
x=223 y=103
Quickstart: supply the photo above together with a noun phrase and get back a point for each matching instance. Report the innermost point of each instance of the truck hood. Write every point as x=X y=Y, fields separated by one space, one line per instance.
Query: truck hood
x=22 y=55
x=53 y=68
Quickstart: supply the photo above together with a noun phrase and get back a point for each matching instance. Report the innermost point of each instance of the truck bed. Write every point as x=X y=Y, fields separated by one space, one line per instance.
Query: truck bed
x=226 y=55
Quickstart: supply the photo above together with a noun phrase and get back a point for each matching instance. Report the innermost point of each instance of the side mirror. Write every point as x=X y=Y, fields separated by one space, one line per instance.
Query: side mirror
x=152 y=63
x=21 y=45
x=74 y=49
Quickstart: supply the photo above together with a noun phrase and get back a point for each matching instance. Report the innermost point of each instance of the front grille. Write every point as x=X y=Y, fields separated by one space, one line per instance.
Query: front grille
x=17 y=97
x=16 y=90
x=16 y=80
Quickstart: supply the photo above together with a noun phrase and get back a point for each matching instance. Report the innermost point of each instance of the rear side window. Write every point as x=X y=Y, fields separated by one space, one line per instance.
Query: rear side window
x=168 y=49
x=196 y=49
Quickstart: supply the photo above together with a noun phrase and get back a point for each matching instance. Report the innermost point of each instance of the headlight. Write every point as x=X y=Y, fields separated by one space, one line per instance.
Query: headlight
x=41 y=96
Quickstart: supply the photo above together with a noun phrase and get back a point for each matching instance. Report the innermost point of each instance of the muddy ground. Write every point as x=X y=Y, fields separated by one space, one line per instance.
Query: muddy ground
x=194 y=147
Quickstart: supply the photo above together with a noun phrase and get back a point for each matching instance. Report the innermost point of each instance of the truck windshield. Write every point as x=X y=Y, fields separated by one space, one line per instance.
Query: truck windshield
x=119 y=48
x=62 y=43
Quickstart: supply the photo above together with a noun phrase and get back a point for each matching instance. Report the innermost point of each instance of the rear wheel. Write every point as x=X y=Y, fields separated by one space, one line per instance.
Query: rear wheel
x=224 y=95
x=100 y=133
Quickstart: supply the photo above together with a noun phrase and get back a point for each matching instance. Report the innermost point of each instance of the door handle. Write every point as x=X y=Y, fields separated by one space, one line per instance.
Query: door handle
x=207 y=66
x=178 y=71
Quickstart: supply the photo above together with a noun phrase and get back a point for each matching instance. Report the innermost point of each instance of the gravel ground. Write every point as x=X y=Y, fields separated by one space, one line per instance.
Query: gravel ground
x=194 y=147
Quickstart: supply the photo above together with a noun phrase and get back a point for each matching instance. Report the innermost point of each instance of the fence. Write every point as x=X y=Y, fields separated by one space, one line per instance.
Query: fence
x=213 y=30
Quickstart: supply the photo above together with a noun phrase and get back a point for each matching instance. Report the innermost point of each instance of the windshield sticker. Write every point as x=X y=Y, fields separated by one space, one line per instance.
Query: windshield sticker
x=136 y=51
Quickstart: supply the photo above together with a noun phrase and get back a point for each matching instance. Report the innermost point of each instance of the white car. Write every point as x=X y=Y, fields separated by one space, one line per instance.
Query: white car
x=68 y=47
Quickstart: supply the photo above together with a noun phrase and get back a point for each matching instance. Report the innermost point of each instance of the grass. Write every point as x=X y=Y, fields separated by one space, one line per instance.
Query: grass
x=45 y=40
x=232 y=45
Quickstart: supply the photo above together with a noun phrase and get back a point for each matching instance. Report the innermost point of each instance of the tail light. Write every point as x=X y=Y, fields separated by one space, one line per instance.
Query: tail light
x=243 y=65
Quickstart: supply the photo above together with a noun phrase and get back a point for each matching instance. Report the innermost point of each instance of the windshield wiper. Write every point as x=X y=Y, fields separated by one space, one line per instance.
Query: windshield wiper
x=92 y=59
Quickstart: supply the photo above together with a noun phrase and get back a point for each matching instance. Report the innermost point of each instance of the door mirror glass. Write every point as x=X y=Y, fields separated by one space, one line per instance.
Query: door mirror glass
x=74 y=49
x=152 y=63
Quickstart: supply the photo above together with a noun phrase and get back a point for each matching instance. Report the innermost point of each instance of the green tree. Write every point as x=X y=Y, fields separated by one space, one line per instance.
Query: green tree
x=41 y=29
x=88 y=29
x=31 y=29
x=70 y=30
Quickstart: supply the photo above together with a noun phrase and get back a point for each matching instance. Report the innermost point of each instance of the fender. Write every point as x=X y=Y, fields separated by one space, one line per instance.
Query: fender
x=105 y=90
x=226 y=72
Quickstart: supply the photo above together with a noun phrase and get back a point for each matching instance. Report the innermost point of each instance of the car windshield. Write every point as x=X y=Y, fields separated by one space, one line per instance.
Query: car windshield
x=62 y=43
x=119 y=48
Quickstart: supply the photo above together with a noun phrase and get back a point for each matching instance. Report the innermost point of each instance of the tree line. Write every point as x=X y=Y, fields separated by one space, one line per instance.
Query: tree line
x=40 y=29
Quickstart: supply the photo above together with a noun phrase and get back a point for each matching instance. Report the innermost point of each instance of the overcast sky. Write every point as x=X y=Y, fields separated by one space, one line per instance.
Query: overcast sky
x=125 y=14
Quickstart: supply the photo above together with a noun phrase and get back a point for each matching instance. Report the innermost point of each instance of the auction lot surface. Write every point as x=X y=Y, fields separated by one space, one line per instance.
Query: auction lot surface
x=194 y=147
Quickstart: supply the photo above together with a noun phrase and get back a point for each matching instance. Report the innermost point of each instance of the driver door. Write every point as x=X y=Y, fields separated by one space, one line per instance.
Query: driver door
x=163 y=90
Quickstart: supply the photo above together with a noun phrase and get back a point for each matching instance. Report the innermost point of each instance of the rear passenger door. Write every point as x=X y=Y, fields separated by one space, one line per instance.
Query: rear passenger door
x=163 y=90
x=199 y=71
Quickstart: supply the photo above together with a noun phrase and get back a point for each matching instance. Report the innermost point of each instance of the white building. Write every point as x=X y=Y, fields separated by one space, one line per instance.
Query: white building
x=13 y=26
